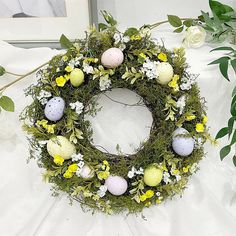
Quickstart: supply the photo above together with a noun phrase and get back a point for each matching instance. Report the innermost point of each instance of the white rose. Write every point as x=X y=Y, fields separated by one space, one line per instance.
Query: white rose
x=194 y=37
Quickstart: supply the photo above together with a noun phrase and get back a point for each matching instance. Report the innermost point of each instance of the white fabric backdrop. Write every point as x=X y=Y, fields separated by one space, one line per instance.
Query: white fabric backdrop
x=208 y=207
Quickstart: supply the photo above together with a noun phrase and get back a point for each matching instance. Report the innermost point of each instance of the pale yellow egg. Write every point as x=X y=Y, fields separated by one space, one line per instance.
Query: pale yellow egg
x=165 y=71
x=61 y=146
x=153 y=175
x=76 y=77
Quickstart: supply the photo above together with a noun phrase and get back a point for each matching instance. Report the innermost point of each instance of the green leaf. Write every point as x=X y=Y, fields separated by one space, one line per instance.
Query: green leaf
x=222 y=133
x=233 y=140
x=218 y=61
x=7 y=104
x=233 y=107
x=218 y=8
x=131 y=31
x=230 y=125
x=209 y=22
x=233 y=64
x=224 y=68
x=234 y=92
x=2 y=71
x=188 y=22
x=109 y=18
x=234 y=160
x=224 y=152
x=65 y=42
x=179 y=30
x=102 y=26
x=175 y=21
x=222 y=48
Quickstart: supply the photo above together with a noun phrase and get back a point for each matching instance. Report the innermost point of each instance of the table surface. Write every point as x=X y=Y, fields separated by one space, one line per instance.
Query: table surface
x=207 y=208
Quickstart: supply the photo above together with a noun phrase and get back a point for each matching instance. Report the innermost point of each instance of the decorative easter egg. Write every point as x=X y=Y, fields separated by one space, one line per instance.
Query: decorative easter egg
x=76 y=77
x=165 y=71
x=152 y=175
x=61 y=146
x=112 y=57
x=116 y=185
x=86 y=172
x=54 y=109
x=182 y=146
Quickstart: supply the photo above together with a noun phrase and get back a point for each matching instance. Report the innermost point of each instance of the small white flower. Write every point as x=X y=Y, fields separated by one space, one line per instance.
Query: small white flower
x=87 y=68
x=187 y=83
x=198 y=142
x=178 y=177
x=43 y=142
x=77 y=106
x=145 y=32
x=158 y=194
x=77 y=157
x=181 y=104
x=166 y=177
x=134 y=172
x=140 y=171
x=80 y=164
x=120 y=38
x=43 y=96
x=104 y=84
x=150 y=68
x=102 y=191
x=194 y=36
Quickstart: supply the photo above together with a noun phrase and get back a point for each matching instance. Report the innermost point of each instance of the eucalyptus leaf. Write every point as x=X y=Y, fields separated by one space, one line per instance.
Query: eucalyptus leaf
x=233 y=140
x=233 y=64
x=2 y=71
x=7 y=104
x=234 y=160
x=65 y=42
x=230 y=125
x=234 y=92
x=222 y=133
x=218 y=61
x=224 y=64
x=225 y=151
x=175 y=21
x=223 y=49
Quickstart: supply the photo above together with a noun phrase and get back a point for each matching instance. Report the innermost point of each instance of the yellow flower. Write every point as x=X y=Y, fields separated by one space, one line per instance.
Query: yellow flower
x=90 y=59
x=135 y=37
x=162 y=56
x=103 y=175
x=58 y=160
x=149 y=193
x=200 y=127
x=73 y=168
x=60 y=81
x=68 y=69
x=163 y=166
x=87 y=193
x=50 y=128
x=43 y=123
x=68 y=174
x=65 y=58
x=186 y=169
x=142 y=55
x=204 y=120
x=143 y=197
x=190 y=117
x=105 y=162
x=173 y=83
x=175 y=172
x=148 y=204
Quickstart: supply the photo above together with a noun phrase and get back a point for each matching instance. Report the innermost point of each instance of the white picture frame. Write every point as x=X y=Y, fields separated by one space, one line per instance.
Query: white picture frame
x=47 y=30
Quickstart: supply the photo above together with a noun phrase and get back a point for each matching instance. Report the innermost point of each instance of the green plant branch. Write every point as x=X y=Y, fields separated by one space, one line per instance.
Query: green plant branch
x=22 y=77
x=15 y=74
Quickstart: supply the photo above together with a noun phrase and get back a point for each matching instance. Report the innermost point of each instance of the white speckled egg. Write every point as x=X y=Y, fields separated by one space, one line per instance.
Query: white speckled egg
x=86 y=172
x=54 y=109
x=116 y=185
x=182 y=146
x=61 y=146
x=112 y=58
x=165 y=71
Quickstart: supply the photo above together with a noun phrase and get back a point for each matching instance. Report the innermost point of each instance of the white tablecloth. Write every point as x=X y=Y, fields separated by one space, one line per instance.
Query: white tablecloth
x=208 y=207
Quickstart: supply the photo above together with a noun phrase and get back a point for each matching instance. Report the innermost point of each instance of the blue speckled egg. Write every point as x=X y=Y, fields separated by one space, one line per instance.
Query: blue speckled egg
x=54 y=109
x=182 y=146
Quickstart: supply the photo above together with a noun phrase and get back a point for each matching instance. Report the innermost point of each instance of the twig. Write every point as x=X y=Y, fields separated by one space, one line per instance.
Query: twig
x=11 y=73
x=22 y=77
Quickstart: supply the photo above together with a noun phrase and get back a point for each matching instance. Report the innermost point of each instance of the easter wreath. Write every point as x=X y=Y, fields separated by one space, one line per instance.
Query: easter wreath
x=61 y=138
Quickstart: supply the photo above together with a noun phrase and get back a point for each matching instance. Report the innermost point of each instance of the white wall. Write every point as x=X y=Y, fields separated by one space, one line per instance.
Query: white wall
x=139 y=12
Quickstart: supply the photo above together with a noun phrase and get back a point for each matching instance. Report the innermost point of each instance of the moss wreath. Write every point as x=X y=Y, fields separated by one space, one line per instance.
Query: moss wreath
x=60 y=137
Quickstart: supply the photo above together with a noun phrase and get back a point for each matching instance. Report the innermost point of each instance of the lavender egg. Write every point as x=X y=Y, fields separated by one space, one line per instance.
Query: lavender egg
x=116 y=185
x=54 y=109
x=112 y=57
x=182 y=146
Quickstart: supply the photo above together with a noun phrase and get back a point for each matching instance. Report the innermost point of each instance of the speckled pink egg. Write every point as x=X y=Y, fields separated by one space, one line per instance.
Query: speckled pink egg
x=116 y=185
x=112 y=58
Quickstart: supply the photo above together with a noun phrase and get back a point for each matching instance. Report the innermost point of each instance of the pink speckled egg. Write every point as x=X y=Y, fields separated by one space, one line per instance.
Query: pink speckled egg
x=112 y=58
x=116 y=185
